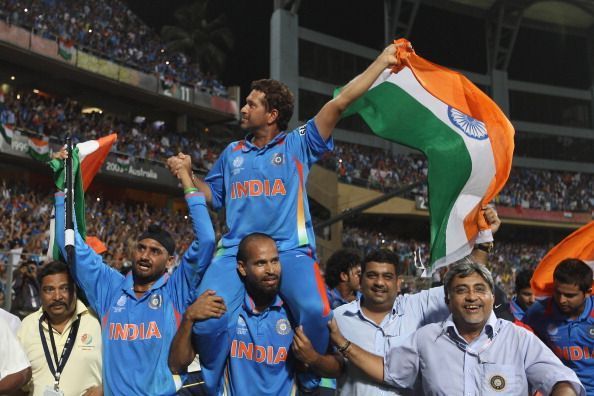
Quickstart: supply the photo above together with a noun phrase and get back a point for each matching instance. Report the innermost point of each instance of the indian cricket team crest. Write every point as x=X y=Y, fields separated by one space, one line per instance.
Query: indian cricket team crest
x=283 y=327
x=591 y=331
x=497 y=382
x=471 y=127
x=156 y=301
x=277 y=159
x=241 y=326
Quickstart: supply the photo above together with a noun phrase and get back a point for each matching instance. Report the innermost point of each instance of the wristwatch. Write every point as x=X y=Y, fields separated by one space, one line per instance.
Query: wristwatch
x=486 y=247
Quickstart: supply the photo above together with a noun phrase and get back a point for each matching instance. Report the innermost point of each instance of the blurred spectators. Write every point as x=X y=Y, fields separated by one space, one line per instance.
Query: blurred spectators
x=507 y=258
x=48 y=115
x=527 y=188
x=109 y=29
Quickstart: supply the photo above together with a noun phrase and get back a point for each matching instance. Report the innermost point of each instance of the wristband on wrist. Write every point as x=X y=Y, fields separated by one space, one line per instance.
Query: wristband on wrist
x=190 y=190
x=342 y=349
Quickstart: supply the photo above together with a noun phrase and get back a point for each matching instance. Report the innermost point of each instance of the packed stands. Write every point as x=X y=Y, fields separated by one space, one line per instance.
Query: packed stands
x=109 y=29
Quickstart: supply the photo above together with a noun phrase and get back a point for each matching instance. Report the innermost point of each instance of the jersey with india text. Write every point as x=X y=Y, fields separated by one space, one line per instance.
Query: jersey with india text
x=263 y=189
x=571 y=340
x=259 y=358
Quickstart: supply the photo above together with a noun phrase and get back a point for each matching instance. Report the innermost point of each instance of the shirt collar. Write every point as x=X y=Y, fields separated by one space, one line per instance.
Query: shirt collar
x=247 y=145
x=490 y=328
x=250 y=306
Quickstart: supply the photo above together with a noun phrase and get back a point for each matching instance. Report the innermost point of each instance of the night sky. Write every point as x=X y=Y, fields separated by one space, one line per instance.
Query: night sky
x=446 y=38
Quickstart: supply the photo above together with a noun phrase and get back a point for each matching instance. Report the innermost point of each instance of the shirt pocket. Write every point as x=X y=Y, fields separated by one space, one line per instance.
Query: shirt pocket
x=501 y=379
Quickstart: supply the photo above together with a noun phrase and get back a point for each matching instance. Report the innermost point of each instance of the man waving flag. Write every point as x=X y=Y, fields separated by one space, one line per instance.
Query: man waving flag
x=467 y=139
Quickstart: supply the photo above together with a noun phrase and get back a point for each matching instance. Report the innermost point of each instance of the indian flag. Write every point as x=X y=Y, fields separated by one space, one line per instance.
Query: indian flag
x=87 y=158
x=578 y=245
x=39 y=149
x=7 y=133
x=467 y=139
x=65 y=48
x=124 y=162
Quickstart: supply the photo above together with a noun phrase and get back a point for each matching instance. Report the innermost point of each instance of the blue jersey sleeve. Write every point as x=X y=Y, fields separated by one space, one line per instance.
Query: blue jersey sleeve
x=90 y=273
x=196 y=259
x=216 y=180
x=307 y=143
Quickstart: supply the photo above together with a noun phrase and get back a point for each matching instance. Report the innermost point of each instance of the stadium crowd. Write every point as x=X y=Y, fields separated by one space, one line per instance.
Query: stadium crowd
x=527 y=188
x=108 y=28
x=355 y=164
x=54 y=117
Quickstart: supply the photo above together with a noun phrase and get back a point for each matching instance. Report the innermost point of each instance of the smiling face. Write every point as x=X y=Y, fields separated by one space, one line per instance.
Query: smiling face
x=470 y=301
x=379 y=285
x=150 y=261
x=58 y=297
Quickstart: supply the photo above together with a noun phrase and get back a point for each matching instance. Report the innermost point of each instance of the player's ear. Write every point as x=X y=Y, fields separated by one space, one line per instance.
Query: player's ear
x=272 y=116
x=241 y=268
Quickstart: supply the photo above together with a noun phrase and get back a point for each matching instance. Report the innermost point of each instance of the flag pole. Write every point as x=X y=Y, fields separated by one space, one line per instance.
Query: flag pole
x=69 y=229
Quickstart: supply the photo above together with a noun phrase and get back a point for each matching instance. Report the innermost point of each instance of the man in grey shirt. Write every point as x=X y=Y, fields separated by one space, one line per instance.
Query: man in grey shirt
x=471 y=352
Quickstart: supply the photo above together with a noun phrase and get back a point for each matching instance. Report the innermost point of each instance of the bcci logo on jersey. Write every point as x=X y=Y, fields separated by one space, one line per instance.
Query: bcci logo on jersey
x=241 y=326
x=277 y=159
x=155 y=301
x=283 y=327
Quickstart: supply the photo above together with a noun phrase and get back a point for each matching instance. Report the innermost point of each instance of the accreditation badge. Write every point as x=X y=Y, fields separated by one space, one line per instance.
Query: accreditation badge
x=50 y=391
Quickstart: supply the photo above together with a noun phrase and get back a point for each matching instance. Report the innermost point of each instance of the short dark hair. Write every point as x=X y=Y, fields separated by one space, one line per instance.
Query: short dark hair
x=341 y=261
x=382 y=256
x=52 y=268
x=276 y=96
x=523 y=279
x=242 y=249
x=574 y=272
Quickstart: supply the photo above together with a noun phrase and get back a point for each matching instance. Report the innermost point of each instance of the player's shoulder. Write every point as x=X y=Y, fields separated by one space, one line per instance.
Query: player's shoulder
x=346 y=310
x=234 y=146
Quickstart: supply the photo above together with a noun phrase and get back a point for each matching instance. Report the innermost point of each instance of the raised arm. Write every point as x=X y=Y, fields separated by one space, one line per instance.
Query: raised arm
x=90 y=273
x=480 y=253
x=331 y=112
x=199 y=254
x=183 y=162
x=182 y=352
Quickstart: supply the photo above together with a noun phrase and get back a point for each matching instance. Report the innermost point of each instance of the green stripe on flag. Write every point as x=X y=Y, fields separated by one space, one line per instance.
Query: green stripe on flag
x=79 y=195
x=395 y=115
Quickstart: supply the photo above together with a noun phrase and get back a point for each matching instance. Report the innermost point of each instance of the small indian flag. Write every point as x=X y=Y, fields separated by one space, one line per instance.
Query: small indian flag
x=39 y=149
x=578 y=245
x=124 y=162
x=65 y=48
x=87 y=158
x=467 y=139
x=7 y=132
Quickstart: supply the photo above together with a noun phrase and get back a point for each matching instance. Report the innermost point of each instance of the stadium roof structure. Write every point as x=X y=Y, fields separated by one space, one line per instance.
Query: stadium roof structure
x=578 y=14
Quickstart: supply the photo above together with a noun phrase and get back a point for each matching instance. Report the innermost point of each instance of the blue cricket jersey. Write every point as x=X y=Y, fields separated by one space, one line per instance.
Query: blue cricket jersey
x=516 y=310
x=137 y=332
x=259 y=361
x=571 y=340
x=263 y=189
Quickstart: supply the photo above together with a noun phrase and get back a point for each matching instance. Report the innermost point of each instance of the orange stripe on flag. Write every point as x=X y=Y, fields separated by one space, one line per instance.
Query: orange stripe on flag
x=460 y=93
x=91 y=164
x=580 y=245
